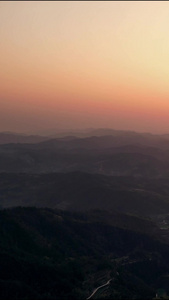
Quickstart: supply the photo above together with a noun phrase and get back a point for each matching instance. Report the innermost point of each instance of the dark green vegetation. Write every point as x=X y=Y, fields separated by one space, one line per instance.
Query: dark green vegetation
x=77 y=213
x=51 y=254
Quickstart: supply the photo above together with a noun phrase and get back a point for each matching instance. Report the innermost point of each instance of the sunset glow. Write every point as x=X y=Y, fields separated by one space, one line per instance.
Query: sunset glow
x=76 y=64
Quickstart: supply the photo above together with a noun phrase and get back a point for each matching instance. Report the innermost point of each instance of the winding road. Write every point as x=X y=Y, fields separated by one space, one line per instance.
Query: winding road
x=98 y=288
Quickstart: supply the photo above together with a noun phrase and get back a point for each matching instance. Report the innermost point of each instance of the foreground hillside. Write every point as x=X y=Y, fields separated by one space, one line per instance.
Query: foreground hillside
x=51 y=254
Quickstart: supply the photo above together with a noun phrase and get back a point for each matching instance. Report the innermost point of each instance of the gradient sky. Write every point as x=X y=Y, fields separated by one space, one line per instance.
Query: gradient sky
x=81 y=64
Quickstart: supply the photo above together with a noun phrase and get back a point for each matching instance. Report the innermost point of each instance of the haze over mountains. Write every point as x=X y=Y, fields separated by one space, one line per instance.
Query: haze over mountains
x=120 y=153
x=123 y=171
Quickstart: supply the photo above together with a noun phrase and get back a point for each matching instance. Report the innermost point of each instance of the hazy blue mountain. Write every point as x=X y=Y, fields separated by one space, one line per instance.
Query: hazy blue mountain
x=10 y=137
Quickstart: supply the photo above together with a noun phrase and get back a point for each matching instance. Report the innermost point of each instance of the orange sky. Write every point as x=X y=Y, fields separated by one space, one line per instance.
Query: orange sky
x=79 y=64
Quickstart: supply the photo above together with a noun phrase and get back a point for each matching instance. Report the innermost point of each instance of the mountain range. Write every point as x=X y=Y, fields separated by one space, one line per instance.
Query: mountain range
x=121 y=154
x=84 y=215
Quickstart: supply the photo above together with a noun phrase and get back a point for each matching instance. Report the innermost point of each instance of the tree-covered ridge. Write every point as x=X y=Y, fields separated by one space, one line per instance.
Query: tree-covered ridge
x=52 y=254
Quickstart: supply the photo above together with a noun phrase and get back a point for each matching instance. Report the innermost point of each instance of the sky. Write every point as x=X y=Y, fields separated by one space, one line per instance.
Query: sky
x=84 y=64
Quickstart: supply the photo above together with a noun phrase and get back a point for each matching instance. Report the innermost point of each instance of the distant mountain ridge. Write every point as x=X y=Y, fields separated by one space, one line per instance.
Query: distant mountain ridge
x=107 y=155
x=121 y=154
x=101 y=132
x=10 y=137
x=13 y=137
x=108 y=141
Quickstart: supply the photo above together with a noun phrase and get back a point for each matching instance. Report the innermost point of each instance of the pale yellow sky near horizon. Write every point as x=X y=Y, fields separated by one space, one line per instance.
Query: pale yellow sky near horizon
x=76 y=64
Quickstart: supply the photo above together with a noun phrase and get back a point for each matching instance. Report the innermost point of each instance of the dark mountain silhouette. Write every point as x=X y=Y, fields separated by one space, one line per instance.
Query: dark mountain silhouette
x=51 y=254
x=92 y=155
x=83 y=192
